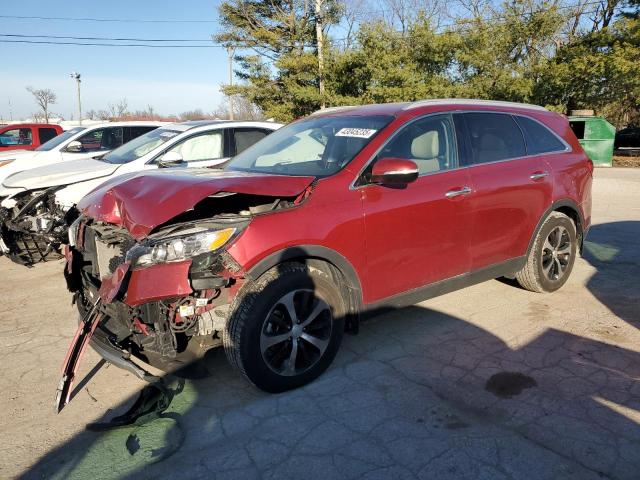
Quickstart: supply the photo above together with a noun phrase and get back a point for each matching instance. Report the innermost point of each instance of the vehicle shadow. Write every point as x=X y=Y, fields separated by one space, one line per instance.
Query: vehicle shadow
x=614 y=250
x=418 y=392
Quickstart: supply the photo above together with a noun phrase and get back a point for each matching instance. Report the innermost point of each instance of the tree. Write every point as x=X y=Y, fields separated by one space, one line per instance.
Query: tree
x=283 y=78
x=44 y=98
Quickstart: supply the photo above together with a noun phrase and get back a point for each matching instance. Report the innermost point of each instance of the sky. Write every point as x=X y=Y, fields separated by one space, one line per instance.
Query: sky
x=172 y=80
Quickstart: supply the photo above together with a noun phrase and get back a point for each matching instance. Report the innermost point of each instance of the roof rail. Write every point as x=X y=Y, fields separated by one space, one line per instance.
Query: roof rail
x=333 y=109
x=471 y=101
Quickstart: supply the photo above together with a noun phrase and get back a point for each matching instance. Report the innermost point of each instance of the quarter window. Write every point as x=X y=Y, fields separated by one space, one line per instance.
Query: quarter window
x=539 y=138
x=207 y=146
x=429 y=142
x=494 y=137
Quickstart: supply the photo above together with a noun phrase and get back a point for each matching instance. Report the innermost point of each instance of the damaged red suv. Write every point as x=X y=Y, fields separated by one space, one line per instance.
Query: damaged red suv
x=346 y=211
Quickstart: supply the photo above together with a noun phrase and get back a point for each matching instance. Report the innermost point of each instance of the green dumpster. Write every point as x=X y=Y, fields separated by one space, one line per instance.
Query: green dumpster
x=596 y=136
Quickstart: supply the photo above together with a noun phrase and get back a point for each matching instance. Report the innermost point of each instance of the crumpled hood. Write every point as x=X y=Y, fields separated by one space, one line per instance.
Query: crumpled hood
x=140 y=202
x=63 y=173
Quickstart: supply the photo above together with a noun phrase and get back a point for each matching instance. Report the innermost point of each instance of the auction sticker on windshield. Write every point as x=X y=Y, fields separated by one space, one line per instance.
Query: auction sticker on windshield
x=355 y=132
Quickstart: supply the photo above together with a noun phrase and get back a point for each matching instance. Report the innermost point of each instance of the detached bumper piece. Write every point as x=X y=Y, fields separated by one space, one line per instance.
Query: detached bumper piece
x=71 y=363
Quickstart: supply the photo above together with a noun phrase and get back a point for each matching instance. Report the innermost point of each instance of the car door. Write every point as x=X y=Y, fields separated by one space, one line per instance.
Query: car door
x=202 y=149
x=419 y=234
x=512 y=189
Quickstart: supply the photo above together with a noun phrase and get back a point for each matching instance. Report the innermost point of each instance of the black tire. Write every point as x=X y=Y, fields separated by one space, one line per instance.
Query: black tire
x=546 y=271
x=251 y=321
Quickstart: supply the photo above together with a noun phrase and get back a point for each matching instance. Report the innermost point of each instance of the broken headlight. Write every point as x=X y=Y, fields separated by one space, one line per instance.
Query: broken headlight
x=179 y=248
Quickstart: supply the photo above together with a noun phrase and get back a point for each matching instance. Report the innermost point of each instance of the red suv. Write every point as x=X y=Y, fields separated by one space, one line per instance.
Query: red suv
x=26 y=136
x=343 y=212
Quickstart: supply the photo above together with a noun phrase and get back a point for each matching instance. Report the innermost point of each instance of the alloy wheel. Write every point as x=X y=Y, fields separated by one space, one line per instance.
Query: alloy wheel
x=556 y=253
x=296 y=332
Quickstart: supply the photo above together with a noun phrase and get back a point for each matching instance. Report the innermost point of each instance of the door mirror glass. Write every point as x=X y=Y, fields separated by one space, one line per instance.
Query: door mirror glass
x=171 y=159
x=394 y=171
x=75 y=147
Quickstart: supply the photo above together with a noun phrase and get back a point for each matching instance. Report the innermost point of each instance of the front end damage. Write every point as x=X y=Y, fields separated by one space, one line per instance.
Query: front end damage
x=162 y=299
x=33 y=226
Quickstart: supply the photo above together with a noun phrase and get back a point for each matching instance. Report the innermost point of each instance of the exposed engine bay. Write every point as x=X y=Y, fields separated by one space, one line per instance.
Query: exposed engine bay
x=34 y=227
x=170 y=310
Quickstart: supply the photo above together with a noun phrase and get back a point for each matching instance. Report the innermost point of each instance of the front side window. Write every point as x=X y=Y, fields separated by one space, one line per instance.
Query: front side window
x=140 y=146
x=207 y=146
x=539 y=138
x=16 y=136
x=429 y=142
x=56 y=141
x=314 y=146
x=494 y=137
x=101 y=139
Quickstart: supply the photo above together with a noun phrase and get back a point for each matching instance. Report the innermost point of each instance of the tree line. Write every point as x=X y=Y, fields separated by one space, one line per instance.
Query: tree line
x=562 y=54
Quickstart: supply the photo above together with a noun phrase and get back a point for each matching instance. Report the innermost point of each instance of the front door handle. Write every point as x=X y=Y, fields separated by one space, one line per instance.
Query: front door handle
x=538 y=175
x=458 y=192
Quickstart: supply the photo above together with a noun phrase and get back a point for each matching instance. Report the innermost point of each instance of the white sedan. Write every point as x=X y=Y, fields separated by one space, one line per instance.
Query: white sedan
x=38 y=204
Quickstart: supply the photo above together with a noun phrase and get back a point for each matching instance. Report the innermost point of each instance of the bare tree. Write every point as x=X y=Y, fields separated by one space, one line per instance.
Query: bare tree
x=243 y=109
x=118 y=110
x=44 y=98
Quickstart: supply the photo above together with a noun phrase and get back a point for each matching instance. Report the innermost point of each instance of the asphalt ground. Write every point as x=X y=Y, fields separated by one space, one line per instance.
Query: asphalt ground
x=488 y=382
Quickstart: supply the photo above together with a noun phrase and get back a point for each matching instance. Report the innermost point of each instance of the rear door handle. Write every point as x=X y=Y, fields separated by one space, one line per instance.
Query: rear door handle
x=458 y=192
x=538 y=175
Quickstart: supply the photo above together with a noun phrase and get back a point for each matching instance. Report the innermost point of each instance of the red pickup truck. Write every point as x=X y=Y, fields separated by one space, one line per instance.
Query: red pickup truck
x=26 y=136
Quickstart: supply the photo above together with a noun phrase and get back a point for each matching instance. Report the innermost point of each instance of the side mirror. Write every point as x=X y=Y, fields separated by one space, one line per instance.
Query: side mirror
x=75 y=147
x=394 y=171
x=170 y=159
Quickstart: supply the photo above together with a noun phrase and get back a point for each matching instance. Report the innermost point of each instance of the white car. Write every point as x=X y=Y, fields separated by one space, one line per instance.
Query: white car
x=37 y=208
x=74 y=144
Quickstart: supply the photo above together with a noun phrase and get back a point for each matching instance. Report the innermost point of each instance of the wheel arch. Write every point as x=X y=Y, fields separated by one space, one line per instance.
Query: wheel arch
x=571 y=210
x=326 y=259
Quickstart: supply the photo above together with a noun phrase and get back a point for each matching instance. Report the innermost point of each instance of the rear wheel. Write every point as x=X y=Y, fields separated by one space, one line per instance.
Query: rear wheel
x=284 y=329
x=551 y=259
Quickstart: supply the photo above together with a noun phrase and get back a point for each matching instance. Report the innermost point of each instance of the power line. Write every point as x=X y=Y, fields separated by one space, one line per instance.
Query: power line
x=110 y=38
x=15 y=35
x=118 y=20
x=47 y=42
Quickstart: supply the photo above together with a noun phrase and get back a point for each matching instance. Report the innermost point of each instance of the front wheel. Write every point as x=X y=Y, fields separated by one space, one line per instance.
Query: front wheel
x=552 y=256
x=285 y=328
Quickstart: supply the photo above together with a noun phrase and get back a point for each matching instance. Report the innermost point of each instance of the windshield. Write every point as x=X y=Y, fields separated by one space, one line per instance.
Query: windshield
x=140 y=146
x=313 y=146
x=55 y=141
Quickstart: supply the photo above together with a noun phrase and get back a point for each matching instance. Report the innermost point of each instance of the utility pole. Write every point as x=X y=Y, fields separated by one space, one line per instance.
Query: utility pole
x=76 y=77
x=231 y=50
x=320 y=43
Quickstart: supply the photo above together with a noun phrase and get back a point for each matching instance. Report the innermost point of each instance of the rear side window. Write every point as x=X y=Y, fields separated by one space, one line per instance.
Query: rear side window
x=134 y=132
x=539 y=138
x=494 y=137
x=245 y=137
x=46 y=134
